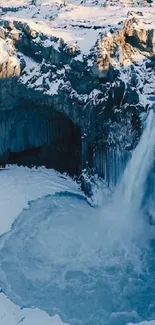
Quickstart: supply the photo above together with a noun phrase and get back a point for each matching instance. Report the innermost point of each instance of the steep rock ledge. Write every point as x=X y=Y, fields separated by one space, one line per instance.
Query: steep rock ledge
x=102 y=90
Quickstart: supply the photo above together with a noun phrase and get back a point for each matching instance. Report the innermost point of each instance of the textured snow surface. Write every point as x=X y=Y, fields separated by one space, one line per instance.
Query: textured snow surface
x=79 y=26
x=10 y=314
x=75 y=23
x=18 y=185
x=13 y=3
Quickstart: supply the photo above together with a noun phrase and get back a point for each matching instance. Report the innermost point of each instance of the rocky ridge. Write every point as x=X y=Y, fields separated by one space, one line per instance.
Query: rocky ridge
x=97 y=67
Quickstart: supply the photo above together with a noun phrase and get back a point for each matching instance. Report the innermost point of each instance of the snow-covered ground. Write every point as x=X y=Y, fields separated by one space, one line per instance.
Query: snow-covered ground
x=18 y=185
x=79 y=26
x=10 y=314
x=75 y=23
x=13 y=3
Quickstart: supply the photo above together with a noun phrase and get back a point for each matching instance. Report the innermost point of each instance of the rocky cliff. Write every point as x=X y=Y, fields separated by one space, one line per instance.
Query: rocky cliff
x=90 y=64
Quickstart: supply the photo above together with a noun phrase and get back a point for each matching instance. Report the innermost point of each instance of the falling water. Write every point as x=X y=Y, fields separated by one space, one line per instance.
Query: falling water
x=132 y=185
x=91 y=266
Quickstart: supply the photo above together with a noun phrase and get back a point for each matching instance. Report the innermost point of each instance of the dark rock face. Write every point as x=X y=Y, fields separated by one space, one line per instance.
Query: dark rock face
x=8 y=93
x=39 y=137
x=102 y=94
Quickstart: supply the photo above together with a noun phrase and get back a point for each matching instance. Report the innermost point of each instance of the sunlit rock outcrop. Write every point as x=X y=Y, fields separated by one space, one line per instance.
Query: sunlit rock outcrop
x=97 y=69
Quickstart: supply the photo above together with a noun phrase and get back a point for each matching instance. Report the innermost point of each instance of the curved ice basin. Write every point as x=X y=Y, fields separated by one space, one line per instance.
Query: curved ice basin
x=60 y=257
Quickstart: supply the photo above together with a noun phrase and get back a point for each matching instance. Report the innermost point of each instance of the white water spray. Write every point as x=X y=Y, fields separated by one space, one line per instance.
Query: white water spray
x=131 y=188
x=87 y=264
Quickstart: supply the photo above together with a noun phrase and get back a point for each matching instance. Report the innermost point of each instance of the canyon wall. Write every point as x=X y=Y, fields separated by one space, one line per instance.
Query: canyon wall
x=103 y=92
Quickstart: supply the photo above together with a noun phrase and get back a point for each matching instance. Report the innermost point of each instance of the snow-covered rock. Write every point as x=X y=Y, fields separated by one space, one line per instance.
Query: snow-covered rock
x=92 y=62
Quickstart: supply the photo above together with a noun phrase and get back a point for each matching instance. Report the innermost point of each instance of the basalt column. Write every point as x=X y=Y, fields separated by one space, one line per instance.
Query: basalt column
x=38 y=136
